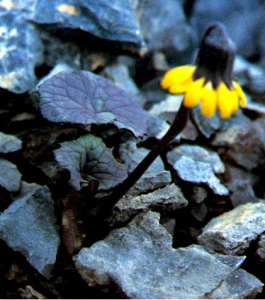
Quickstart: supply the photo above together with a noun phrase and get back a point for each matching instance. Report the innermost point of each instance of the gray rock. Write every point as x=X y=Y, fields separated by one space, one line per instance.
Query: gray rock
x=21 y=51
x=245 y=142
x=26 y=6
x=199 y=212
x=106 y=19
x=164 y=27
x=167 y=110
x=232 y=232
x=198 y=194
x=156 y=127
x=261 y=248
x=234 y=262
x=238 y=285
x=199 y=173
x=28 y=225
x=141 y=261
x=155 y=177
x=10 y=177
x=207 y=126
x=166 y=199
x=241 y=18
x=250 y=75
x=198 y=154
x=61 y=51
x=9 y=143
x=26 y=191
x=262 y=38
x=169 y=224
x=119 y=74
x=240 y=184
x=150 y=183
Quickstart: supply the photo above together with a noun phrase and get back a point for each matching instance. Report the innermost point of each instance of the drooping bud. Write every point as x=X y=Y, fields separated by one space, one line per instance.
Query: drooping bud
x=216 y=56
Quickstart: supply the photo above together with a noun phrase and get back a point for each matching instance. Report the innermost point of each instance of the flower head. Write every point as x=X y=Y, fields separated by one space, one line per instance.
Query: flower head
x=210 y=80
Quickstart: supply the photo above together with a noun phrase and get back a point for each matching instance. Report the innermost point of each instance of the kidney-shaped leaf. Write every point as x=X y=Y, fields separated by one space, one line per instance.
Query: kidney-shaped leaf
x=87 y=158
x=85 y=98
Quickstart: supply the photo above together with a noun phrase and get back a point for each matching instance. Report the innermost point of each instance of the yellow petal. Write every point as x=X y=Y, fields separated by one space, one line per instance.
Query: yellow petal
x=234 y=99
x=175 y=79
x=194 y=93
x=240 y=93
x=225 y=100
x=180 y=88
x=209 y=100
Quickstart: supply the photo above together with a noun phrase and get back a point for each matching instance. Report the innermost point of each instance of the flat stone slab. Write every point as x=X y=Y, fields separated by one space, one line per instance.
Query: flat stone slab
x=140 y=260
x=232 y=232
x=238 y=285
x=166 y=199
x=198 y=172
x=28 y=225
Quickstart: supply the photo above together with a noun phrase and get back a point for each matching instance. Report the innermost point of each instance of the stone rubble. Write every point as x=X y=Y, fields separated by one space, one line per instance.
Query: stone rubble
x=140 y=261
x=232 y=232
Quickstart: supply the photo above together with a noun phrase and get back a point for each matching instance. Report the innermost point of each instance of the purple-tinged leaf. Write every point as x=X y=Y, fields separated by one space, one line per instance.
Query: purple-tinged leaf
x=85 y=98
x=87 y=158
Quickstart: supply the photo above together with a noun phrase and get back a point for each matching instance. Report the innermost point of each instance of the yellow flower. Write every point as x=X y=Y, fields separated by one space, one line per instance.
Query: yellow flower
x=209 y=82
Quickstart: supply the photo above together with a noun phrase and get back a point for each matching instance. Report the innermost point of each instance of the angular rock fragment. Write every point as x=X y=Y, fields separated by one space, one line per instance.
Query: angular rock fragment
x=240 y=184
x=155 y=177
x=21 y=51
x=167 y=199
x=167 y=110
x=261 y=248
x=234 y=262
x=10 y=177
x=250 y=75
x=160 y=17
x=198 y=154
x=156 y=127
x=110 y=20
x=232 y=232
x=169 y=224
x=238 y=285
x=207 y=126
x=245 y=141
x=198 y=169
x=199 y=212
x=28 y=225
x=26 y=191
x=140 y=260
x=9 y=143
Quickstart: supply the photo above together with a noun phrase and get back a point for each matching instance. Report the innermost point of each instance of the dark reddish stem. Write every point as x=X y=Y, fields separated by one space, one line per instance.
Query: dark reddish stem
x=179 y=123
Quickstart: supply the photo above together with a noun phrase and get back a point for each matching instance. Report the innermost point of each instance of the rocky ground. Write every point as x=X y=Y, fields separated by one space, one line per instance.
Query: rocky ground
x=80 y=107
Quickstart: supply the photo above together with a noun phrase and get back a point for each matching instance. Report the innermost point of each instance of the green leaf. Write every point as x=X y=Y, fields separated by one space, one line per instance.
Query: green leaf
x=88 y=158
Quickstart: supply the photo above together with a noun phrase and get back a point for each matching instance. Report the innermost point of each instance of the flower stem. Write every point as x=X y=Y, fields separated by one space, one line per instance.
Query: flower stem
x=108 y=202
